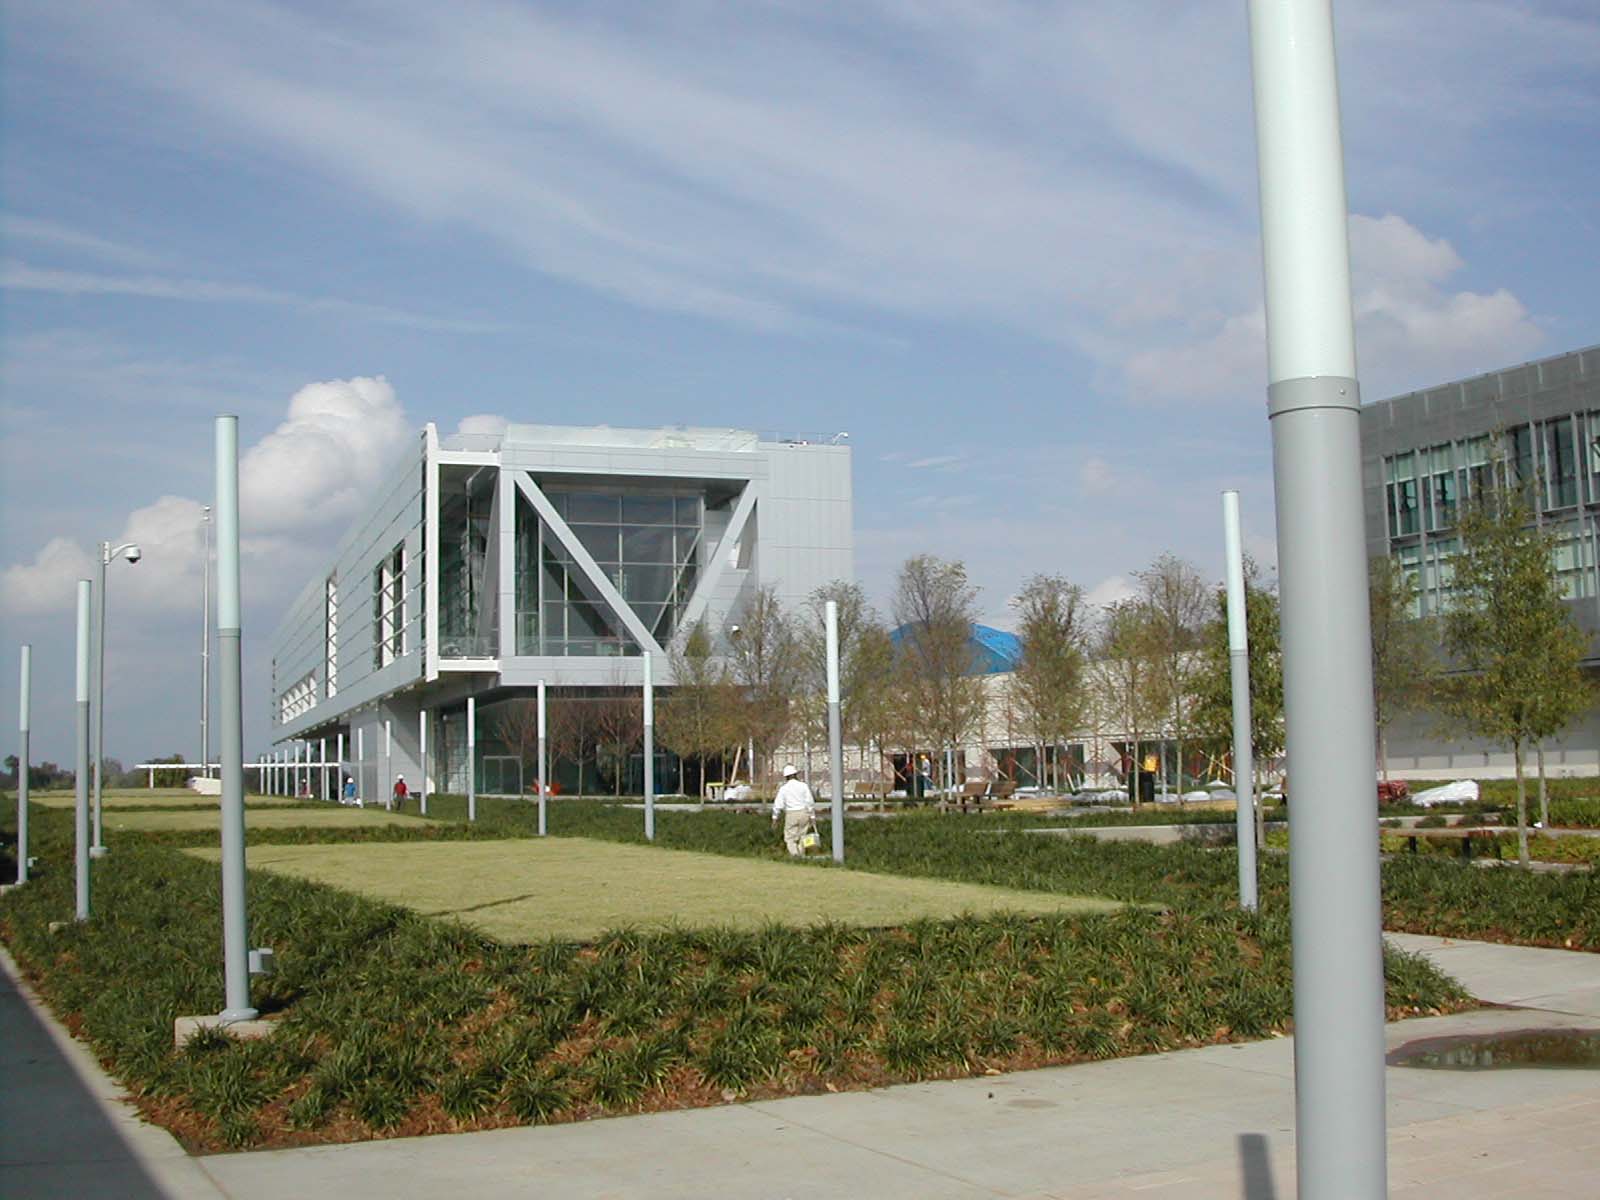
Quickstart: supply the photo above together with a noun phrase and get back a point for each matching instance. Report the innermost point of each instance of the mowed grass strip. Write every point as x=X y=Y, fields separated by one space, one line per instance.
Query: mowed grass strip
x=153 y=798
x=577 y=888
x=333 y=816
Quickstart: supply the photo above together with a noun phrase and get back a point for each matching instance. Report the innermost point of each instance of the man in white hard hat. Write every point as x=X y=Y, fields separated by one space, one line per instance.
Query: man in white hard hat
x=799 y=808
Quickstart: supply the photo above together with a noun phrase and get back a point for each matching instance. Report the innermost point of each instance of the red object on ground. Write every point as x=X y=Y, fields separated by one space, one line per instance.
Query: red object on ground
x=1391 y=791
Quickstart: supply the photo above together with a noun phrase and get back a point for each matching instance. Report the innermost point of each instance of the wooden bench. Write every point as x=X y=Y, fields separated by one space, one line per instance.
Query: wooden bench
x=1453 y=834
x=980 y=795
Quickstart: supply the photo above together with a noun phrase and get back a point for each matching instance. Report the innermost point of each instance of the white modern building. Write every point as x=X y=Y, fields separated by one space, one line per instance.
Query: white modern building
x=544 y=553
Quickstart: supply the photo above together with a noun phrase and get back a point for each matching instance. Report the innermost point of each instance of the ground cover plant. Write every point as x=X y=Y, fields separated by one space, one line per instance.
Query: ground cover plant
x=390 y=1022
x=578 y=888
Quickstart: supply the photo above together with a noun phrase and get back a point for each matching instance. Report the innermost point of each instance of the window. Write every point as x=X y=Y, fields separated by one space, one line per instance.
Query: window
x=330 y=630
x=1560 y=464
x=389 y=608
x=1402 y=495
x=300 y=698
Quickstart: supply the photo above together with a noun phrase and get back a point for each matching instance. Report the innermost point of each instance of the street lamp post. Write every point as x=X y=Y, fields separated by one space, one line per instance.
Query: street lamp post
x=108 y=552
x=205 y=647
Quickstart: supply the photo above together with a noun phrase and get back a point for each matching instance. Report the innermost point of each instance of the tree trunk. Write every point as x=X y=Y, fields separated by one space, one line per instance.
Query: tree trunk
x=1255 y=803
x=1383 y=754
x=1544 y=797
x=580 y=768
x=1522 y=808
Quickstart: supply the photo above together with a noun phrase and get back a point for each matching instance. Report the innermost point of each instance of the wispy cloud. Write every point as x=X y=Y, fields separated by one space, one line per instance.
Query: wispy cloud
x=21 y=277
x=56 y=236
x=934 y=460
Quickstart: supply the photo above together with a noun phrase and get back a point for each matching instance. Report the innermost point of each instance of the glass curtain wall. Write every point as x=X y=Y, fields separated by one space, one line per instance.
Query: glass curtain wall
x=648 y=543
x=464 y=507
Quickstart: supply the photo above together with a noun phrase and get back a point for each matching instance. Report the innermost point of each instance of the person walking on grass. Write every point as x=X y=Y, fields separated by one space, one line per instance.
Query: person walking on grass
x=400 y=791
x=798 y=807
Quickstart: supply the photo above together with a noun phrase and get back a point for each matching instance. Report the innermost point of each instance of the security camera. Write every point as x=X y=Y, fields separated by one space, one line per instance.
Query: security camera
x=133 y=554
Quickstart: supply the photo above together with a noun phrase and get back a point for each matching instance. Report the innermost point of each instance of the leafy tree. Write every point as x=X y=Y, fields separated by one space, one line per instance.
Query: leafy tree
x=1046 y=690
x=1176 y=602
x=1404 y=659
x=1213 y=708
x=173 y=778
x=696 y=720
x=936 y=608
x=12 y=764
x=1510 y=635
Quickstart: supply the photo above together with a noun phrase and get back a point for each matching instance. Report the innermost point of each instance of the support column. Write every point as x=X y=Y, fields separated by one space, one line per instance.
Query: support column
x=339 y=772
x=472 y=758
x=235 y=921
x=543 y=761
x=1239 y=671
x=322 y=768
x=361 y=765
x=81 y=782
x=24 y=697
x=388 y=764
x=422 y=758
x=649 y=753
x=835 y=729
x=1313 y=408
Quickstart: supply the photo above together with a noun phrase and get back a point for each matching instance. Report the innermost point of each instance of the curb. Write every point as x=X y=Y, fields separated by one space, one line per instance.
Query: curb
x=168 y=1164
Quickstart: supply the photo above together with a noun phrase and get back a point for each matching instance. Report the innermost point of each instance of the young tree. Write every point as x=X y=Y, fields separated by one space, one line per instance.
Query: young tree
x=866 y=659
x=936 y=608
x=1213 y=709
x=1404 y=655
x=1046 y=690
x=618 y=730
x=516 y=723
x=1125 y=672
x=1176 y=602
x=695 y=718
x=1510 y=635
x=573 y=728
x=766 y=665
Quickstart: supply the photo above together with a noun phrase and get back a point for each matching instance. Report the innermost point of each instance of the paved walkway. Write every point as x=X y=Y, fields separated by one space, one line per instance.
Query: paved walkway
x=1205 y=1123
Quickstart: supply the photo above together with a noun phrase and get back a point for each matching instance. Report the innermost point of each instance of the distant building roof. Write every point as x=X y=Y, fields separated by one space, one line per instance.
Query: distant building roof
x=994 y=651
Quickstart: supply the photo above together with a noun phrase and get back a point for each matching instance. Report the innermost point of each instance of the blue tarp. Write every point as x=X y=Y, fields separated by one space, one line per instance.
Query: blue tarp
x=993 y=650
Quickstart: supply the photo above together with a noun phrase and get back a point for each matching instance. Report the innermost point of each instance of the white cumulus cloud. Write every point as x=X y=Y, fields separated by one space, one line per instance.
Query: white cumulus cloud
x=314 y=472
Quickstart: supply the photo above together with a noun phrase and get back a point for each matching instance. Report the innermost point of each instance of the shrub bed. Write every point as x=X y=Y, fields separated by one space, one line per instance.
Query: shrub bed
x=392 y=1023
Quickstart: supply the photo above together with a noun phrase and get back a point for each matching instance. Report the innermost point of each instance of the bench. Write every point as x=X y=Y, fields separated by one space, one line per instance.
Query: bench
x=980 y=795
x=1456 y=834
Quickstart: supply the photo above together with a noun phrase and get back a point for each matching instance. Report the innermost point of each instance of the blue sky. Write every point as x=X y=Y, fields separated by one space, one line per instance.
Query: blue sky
x=1011 y=248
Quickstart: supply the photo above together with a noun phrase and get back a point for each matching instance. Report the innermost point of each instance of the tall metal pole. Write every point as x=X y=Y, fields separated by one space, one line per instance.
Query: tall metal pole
x=1239 y=672
x=205 y=648
x=472 y=758
x=388 y=763
x=830 y=616
x=99 y=848
x=543 y=766
x=24 y=697
x=1313 y=406
x=649 y=752
x=235 y=920
x=422 y=758
x=81 y=783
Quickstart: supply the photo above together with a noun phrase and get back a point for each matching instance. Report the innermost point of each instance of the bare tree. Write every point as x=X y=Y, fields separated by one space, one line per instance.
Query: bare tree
x=1045 y=692
x=765 y=663
x=697 y=718
x=574 y=727
x=618 y=728
x=516 y=723
x=936 y=608
x=1177 y=603
x=1127 y=670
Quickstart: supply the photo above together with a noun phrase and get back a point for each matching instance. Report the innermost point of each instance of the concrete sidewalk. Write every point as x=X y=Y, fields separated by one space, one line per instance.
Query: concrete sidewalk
x=1216 y=1122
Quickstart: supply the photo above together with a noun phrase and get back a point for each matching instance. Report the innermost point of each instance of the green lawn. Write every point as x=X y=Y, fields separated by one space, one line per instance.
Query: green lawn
x=332 y=816
x=576 y=888
x=149 y=798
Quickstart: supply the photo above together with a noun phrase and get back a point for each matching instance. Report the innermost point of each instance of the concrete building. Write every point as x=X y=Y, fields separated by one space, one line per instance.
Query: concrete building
x=1426 y=453
x=550 y=553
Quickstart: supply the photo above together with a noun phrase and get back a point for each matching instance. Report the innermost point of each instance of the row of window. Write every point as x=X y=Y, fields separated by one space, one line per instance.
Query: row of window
x=1560 y=457
x=1432 y=568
